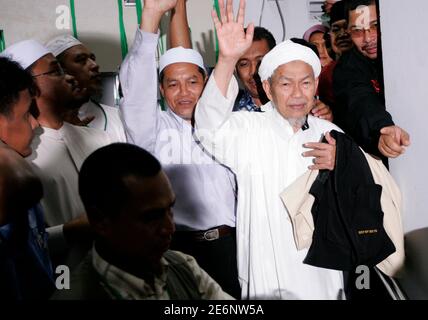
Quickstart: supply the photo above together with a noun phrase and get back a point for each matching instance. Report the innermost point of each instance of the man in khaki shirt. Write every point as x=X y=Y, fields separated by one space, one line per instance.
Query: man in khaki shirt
x=129 y=200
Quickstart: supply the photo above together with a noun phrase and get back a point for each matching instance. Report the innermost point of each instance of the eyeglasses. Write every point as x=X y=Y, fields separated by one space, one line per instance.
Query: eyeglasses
x=58 y=72
x=359 y=32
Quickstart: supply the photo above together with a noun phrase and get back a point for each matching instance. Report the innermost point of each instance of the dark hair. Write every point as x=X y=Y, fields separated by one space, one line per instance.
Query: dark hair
x=338 y=12
x=162 y=74
x=261 y=33
x=13 y=80
x=101 y=178
x=305 y=43
x=353 y=4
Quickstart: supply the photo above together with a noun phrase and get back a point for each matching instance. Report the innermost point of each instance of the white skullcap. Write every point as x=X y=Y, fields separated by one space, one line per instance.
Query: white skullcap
x=285 y=52
x=61 y=43
x=25 y=52
x=180 y=54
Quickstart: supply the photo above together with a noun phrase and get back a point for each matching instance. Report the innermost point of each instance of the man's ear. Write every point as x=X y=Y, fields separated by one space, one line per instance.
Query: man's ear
x=267 y=89
x=101 y=224
x=3 y=125
x=162 y=91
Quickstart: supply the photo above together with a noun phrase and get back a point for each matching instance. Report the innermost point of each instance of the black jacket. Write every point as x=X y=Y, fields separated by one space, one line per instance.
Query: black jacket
x=347 y=214
x=358 y=89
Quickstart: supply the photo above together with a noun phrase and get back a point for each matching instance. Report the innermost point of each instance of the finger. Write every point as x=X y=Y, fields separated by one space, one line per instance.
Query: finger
x=388 y=130
x=250 y=33
x=87 y=120
x=317 y=145
x=387 y=151
x=393 y=145
x=229 y=11
x=316 y=153
x=405 y=138
x=324 y=111
x=330 y=139
x=217 y=23
x=223 y=16
x=241 y=13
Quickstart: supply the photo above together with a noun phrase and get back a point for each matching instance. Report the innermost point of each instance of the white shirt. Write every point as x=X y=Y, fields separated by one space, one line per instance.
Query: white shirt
x=266 y=155
x=204 y=188
x=106 y=119
x=57 y=157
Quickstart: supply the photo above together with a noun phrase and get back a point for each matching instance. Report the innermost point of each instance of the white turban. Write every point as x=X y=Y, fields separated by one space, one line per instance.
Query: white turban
x=61 y=43
x=285 y=52
x=25 y=52
x=180 y=54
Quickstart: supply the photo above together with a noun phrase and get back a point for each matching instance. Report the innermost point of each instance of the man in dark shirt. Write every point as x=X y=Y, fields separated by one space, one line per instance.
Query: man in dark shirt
x=357 y=84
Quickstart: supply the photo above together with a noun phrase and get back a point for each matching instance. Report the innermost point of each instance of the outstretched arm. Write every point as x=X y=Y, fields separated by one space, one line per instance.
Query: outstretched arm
x=179 y=31
x=220 y=132
x=138 y=78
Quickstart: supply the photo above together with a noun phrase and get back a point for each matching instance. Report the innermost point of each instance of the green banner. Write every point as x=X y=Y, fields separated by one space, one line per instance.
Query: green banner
x=139 y=10
x=123 y=40
x=73 y=18
x=2 y=42
x=217 y=9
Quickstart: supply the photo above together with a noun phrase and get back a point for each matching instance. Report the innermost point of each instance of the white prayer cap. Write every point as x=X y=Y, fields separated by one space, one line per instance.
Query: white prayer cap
x=25 y=52
x=180 y=54
x=61 y=43
x=285 y=52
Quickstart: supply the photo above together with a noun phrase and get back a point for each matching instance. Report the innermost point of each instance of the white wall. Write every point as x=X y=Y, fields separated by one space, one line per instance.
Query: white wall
x=98 y=26
x=295 y=13
x=404 y=29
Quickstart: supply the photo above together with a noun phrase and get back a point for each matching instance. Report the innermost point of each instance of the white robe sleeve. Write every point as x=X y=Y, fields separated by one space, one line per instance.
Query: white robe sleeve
x=138 y=78
x=221 y=131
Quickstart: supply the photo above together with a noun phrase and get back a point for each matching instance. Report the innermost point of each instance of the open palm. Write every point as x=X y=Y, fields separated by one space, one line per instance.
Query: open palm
x=232 y=39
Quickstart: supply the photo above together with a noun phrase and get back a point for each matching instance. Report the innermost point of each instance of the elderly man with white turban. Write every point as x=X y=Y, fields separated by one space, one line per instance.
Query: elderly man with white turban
x=268 y=151
x=204 y=212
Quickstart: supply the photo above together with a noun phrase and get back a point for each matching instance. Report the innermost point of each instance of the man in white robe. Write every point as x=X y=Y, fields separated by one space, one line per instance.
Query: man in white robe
x=265 y=150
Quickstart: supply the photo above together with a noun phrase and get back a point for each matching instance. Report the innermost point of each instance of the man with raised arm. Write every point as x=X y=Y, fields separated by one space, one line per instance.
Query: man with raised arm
x=268 y=151
x=205 y=207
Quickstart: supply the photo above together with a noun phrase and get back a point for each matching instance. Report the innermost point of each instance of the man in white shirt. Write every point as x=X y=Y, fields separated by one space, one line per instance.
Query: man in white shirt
x=267 y=153
x=59 y=148
x=78 y=61
x=205 y=208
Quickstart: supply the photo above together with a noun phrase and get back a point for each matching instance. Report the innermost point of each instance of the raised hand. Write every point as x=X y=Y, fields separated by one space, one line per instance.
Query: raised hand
x=233 y=40
x=153 y=11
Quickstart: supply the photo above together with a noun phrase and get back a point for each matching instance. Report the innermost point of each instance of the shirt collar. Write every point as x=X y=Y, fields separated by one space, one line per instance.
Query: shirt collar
x=125 y=286
x=180 y=121
x=246 y=102
x=283 y=127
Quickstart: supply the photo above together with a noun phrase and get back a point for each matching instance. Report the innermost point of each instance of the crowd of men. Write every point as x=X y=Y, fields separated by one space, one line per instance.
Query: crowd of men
x=193 y=201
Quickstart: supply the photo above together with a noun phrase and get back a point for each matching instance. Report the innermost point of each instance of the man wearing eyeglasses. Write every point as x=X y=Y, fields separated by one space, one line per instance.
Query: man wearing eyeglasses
x=358 y=87
x=59 y=147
